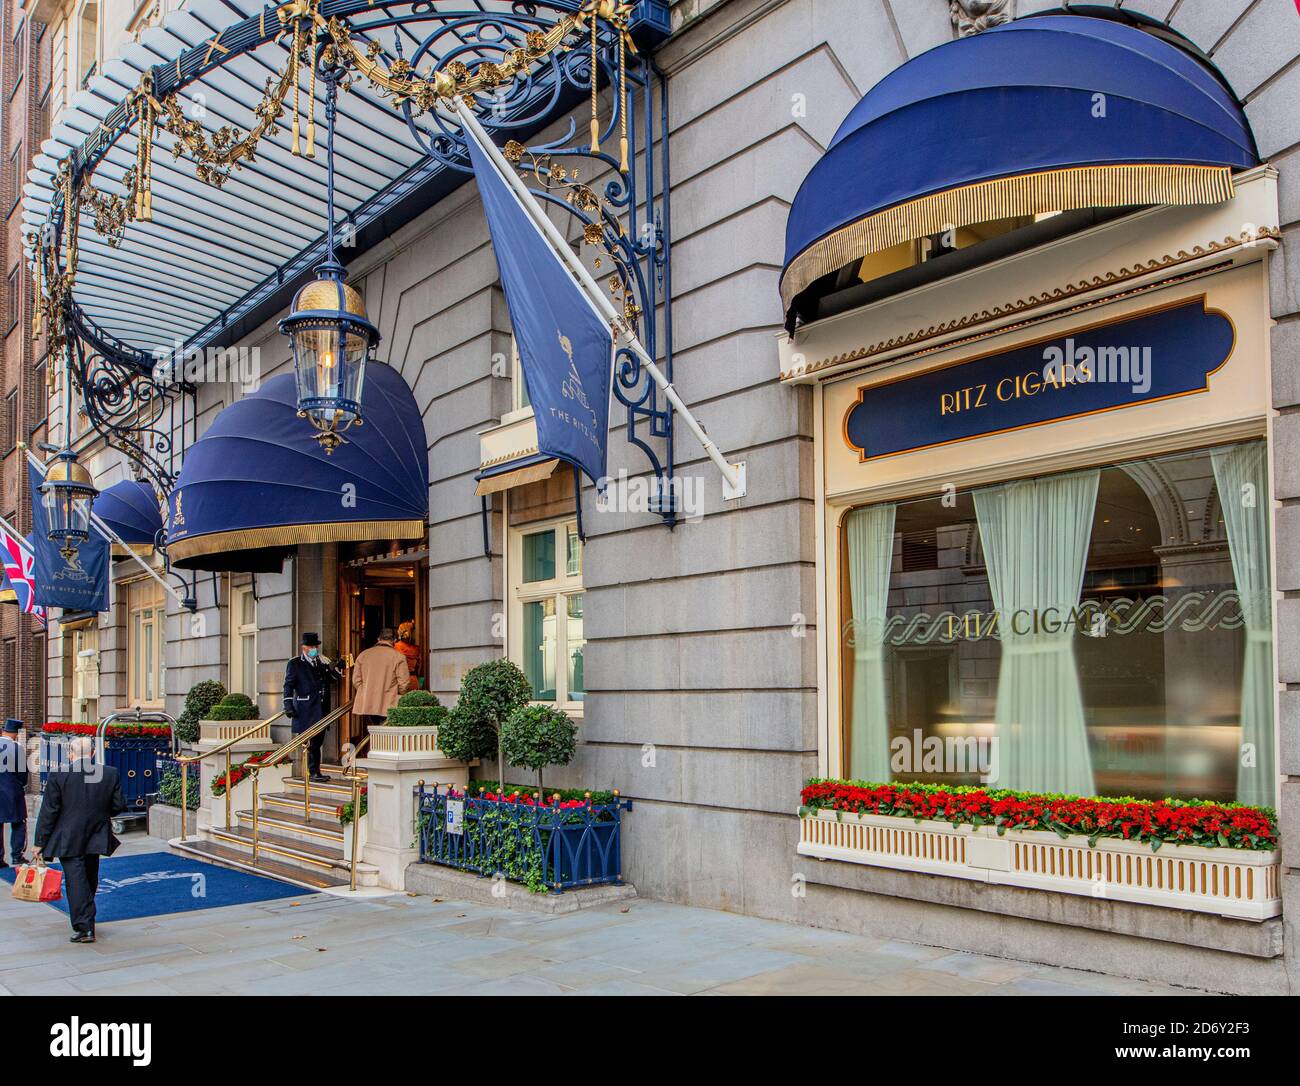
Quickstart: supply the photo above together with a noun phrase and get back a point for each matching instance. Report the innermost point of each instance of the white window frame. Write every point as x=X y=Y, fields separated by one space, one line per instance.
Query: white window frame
x=240 y=632
x=559 y=588
x=148 y=615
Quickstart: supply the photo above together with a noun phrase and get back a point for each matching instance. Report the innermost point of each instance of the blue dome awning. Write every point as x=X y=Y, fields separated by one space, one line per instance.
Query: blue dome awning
x=1044 y=114
x=132 y=510
x=257 y=483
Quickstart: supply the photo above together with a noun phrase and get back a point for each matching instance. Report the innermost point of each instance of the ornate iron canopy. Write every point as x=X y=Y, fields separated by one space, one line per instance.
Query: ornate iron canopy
x=194 y=150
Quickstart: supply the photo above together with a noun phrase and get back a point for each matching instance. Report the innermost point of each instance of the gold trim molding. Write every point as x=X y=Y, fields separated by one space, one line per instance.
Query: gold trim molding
x=1034 y=301
x=289 y=535
x=1120 y=185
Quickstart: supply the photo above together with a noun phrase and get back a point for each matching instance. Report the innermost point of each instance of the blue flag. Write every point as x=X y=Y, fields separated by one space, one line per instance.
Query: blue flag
x=565 y=348
x=77 y=585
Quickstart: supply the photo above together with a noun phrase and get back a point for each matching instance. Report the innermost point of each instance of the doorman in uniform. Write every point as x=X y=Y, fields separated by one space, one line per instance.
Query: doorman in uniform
x=306 y=696
x=13 y=793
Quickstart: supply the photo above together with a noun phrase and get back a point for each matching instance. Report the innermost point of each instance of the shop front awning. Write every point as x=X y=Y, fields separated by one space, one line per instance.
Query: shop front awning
x=131 y=509
x=257 y=483
x=526 y=469
x=1039 y=115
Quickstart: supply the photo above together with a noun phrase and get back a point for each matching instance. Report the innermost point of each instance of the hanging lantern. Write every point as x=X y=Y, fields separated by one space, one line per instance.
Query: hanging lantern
x=332 y=342
x=67 y=496
x=331 y=336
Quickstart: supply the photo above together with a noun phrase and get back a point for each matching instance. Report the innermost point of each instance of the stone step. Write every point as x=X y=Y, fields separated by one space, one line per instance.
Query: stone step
x=324 y=807
x=292 y=824
x=338 y=790
x=226 y=856
x=314 y=857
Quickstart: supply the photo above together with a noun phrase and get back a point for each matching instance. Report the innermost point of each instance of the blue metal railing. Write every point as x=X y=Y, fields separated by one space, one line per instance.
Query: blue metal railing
x=556 y=847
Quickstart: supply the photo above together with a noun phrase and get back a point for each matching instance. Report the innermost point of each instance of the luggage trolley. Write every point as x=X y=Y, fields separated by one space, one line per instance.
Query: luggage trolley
x=135 y=757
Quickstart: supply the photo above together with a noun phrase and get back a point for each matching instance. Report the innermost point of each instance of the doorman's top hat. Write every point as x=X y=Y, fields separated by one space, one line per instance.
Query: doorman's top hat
x=12 y=726
x=310 y=639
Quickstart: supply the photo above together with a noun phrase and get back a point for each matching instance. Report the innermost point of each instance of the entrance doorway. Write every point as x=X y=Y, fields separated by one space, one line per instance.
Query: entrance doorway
x=377 y=592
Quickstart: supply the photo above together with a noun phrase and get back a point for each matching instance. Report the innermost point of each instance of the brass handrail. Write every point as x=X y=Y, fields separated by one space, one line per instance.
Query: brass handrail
x=283 y=751
x=186 y=760
x=356 y=777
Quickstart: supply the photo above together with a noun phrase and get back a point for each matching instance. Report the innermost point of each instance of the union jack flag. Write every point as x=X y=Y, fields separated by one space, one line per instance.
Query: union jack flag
x=18 y=559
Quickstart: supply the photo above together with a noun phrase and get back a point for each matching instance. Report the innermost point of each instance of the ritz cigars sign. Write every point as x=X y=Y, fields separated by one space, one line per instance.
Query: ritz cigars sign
x=1144 y=358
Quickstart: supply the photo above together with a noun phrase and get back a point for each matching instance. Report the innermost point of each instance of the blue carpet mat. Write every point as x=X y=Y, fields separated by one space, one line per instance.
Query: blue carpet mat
x=155 y=883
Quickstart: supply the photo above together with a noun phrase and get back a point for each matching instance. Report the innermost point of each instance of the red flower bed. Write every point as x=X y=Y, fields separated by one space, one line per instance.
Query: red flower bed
x=114 y=731
x=527 y=799
x=237 y=774
x=1157 y=822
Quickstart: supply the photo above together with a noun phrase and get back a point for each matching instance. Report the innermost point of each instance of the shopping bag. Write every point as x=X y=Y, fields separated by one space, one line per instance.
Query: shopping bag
x=36 y=882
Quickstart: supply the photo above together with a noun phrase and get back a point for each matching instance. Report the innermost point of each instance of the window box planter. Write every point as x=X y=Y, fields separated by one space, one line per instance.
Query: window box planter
x=1239 y=883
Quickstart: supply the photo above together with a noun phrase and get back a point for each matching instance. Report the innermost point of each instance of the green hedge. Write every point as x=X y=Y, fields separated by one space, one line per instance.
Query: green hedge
x=416 y=716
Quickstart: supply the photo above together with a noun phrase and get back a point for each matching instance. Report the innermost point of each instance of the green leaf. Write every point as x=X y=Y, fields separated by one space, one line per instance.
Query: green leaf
x=1223 y=840
x=1156 y=842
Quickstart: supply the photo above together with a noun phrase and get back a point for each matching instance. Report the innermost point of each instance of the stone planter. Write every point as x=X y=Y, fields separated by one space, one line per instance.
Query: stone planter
x=1229 y=882
x=212 y=734
x=397 y=760
x=356 y=828
x=386 y=742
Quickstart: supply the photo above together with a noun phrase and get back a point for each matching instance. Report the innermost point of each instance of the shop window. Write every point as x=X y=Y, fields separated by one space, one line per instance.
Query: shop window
x=1105 y=631
x=243 y=641
x=547 y=607
x=145 y=638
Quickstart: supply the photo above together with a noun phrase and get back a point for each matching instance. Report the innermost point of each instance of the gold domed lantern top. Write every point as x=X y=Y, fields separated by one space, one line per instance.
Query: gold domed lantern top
x=67 y=495
x=332 y=341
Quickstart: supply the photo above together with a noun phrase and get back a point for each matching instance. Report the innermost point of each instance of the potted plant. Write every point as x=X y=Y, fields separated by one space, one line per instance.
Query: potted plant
x=535 y=736
x=202 y=697
x=233 y=707
x=489 y=693
x=411 y=727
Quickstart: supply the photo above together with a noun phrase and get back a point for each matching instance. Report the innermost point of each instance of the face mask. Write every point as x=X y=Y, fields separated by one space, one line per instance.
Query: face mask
x=313 y=653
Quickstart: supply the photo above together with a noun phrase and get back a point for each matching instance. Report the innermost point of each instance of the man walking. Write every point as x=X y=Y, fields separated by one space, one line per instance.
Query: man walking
x=13 y=793
x=379 y=677
x=74 y=827
x=306 y=696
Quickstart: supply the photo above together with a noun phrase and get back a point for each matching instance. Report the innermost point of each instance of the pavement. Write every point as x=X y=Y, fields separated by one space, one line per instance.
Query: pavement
x=408 y=945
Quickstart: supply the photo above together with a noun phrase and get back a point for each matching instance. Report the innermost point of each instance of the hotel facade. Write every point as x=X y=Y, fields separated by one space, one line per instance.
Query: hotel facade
x=992 y=300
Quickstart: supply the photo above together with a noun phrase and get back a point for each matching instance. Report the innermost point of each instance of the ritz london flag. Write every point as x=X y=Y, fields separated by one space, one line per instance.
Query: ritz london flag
x=565 y=347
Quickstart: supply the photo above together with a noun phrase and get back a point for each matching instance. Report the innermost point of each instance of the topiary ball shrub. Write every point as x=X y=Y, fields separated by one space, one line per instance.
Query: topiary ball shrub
x=419 y=697
x=201 y=698
x=416 y=709
x=535 y=736
x=234 y=707
x=466 y=737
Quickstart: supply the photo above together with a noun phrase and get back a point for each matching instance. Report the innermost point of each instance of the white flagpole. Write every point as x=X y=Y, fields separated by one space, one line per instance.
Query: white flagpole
x=734 y=482
x=112 y=536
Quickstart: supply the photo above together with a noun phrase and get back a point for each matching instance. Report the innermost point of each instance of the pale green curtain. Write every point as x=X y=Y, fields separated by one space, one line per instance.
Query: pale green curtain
x=871 y=551
x=1035 y=536
x=1241 y=476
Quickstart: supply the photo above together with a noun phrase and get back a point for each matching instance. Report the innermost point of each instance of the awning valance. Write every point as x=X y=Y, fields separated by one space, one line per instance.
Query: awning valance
x=257 y=483
x=527 y=469
x=1042 y=114
x=131 y=509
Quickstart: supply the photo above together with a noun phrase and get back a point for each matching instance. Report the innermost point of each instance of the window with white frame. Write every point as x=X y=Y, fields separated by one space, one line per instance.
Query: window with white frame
x=243 y=641
x=85 y=673
x=146 y=625
x=547 y=605
x=520 y=400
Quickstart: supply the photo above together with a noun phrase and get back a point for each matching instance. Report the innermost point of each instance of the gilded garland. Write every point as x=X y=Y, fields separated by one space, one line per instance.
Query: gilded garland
x=217 y=155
